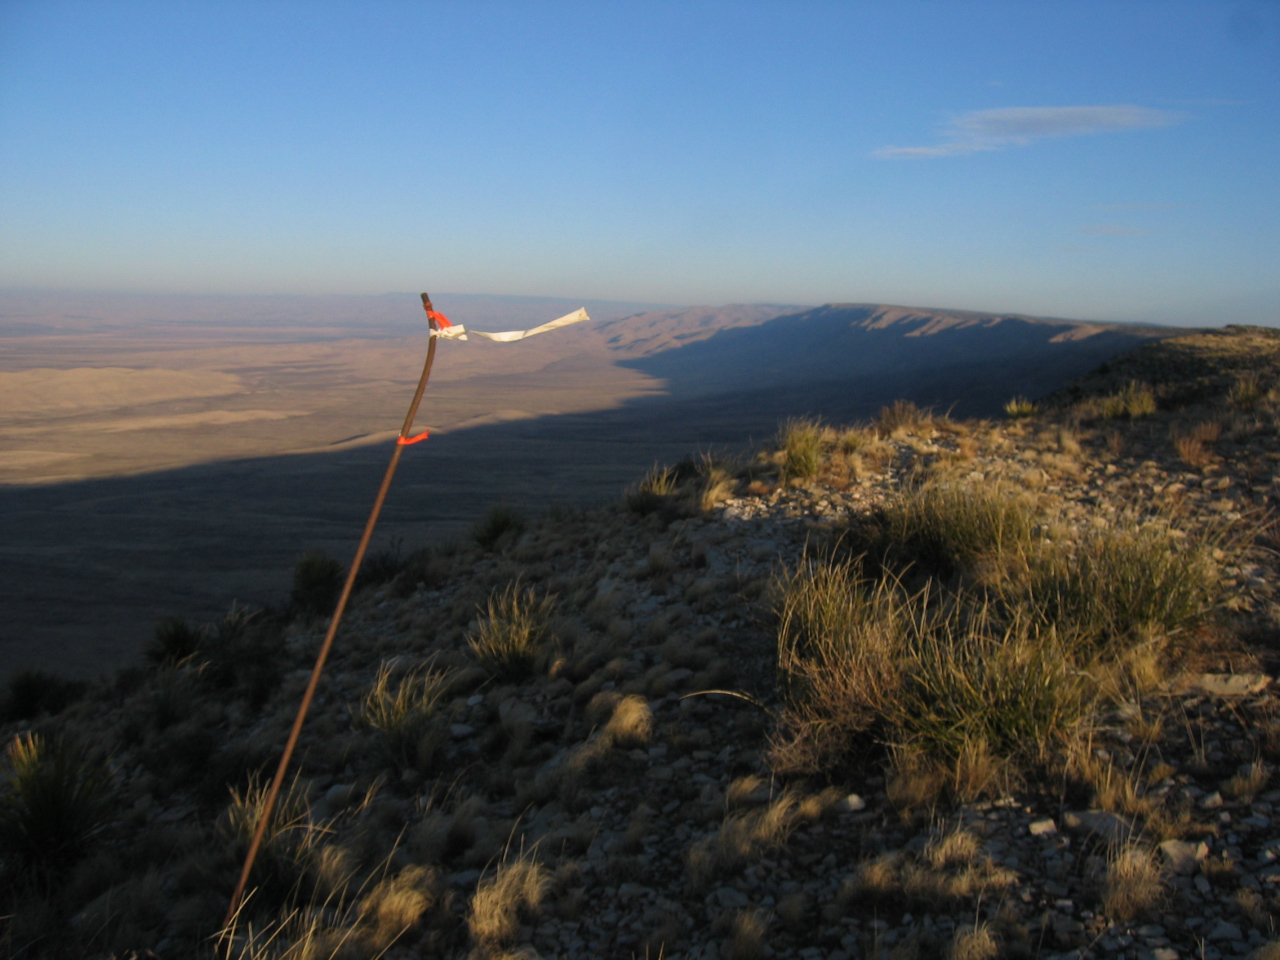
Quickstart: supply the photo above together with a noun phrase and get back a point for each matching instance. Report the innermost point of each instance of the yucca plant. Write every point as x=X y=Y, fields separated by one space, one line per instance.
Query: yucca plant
x=56 y=801
x=404 y=715
x=512 y=631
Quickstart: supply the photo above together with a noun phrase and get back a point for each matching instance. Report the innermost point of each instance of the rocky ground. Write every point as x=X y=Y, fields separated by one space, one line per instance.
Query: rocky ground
x=632 y=767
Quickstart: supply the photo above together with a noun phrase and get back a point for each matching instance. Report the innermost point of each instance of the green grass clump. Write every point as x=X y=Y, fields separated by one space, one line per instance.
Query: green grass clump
x=800 y=442
x=501 y=525
x=31 y=693
x=512 y=632
x=56 y=801
x=405 y=716
x=655 y=491
x=862 y=663
x=941 y=528
x=317 y=582
x=1020 y=408
x=1118 y=581
x=1132 y=401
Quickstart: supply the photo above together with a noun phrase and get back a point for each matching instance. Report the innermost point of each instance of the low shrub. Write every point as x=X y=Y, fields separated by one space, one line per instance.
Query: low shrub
x=502 y=524
x=31 y=693
x=317 y=582
x=405 y=716
x=512 y=632
x=56 y=801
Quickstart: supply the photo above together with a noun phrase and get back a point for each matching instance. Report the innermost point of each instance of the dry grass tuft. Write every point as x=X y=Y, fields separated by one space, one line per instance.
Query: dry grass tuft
x=1248 y=782
x=974 y=943
x=405 y=718
x=1194 y=446
x=903 y=414
x=517 y=885
x=745 y=836
x=1020 y=408
x=747 y=941
x=652 y=492
x=512 y=631
x=1132 y=885
x=952 y=869
x=1247 y=391
x=631 y=724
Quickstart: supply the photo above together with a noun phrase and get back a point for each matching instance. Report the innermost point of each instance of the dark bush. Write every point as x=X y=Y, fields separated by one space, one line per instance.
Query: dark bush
x=503 y=522
x=381 y=566
x=424 y=567
x=317 y=581
x=33 y=692
x=173 y=641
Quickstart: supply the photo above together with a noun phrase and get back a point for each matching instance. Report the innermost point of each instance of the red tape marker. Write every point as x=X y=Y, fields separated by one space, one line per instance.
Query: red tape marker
x=405 y=441
x=440 y=319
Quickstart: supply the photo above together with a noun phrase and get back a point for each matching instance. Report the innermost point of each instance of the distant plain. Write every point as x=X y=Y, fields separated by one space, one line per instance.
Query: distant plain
x=175 y=455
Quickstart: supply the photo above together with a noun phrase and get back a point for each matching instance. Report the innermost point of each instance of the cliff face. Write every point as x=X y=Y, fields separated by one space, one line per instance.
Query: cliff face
x=922 y=681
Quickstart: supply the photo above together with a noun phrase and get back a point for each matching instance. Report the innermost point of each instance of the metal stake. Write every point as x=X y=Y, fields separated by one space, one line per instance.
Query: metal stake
x=289 y=746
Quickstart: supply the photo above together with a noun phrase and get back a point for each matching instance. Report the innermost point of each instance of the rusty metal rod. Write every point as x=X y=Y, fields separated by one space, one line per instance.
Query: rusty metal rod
x=325 y=647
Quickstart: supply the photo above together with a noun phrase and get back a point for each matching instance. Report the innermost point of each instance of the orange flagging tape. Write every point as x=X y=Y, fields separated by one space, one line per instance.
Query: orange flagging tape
x=439 y=318
x=405 y=441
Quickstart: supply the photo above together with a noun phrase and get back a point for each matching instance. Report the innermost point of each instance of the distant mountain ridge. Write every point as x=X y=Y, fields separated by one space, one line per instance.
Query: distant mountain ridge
x=953 y=356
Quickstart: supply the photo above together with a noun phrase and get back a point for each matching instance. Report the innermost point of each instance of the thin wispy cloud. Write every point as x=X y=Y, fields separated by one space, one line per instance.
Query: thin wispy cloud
x=1007 y=127
x=1112 y=230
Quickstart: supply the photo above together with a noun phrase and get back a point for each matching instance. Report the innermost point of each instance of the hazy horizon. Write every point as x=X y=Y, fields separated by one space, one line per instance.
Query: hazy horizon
x=1114 y=162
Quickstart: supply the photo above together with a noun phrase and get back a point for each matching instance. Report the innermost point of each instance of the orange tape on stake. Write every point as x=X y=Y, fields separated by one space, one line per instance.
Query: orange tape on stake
x=405 y=441
x=440 y=319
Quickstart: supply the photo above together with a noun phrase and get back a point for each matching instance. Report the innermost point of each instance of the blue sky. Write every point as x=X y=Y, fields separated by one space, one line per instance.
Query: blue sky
x=1110 y=160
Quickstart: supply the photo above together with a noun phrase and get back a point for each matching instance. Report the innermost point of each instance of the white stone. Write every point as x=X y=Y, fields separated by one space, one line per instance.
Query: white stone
x=853 y=803
x=1043 y=828
x=1183 y=858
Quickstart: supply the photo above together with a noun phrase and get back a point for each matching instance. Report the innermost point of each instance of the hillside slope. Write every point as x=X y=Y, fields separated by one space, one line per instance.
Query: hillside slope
x=679 y=767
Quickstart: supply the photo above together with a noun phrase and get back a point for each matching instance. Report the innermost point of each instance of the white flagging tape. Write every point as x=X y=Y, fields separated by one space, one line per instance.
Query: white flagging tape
x=459 y=332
